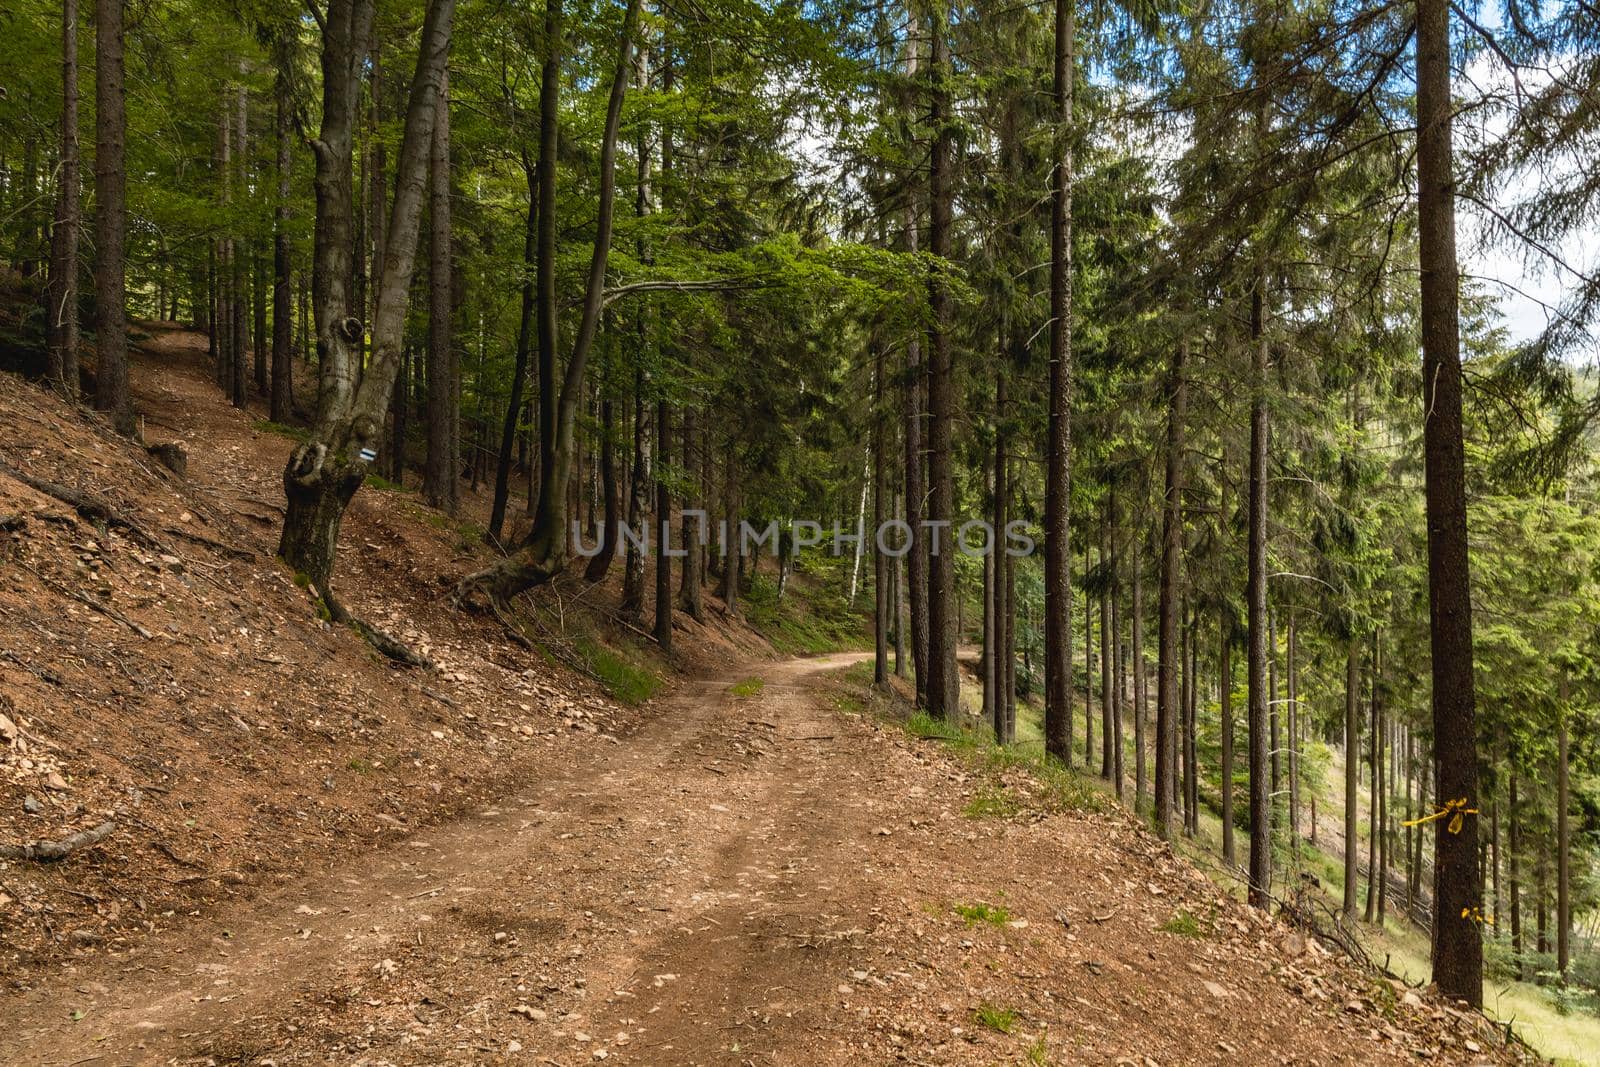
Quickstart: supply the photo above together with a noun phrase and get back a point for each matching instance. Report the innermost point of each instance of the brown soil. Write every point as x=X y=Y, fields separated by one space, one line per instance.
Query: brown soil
x=332 y=860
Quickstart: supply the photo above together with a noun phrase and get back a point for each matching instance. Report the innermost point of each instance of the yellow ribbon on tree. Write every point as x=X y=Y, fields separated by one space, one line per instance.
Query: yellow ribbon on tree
x=1457 y=809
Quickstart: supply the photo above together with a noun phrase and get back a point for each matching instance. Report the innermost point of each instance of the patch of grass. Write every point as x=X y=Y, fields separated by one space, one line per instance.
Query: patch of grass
x=378 y=481
x=629 y=682
x=1184 y=924
x=748 y=688
x=359 y=765
x=979 y=912
x=1037 y=1054
x=992 y=1017
x=293 y=433
x=992 y=802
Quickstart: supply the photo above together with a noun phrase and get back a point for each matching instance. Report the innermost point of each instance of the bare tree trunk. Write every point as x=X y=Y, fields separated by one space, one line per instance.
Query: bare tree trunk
x=1458 y=890
x=611 y=532
x=1140 y=686
x=282 y=397
x=324 y=472
x=1374 y=787
x=1352 y=735
x=944 y=680
x=1230 y=853
x=62 y=313
x=663 y=531
x=1563 y=831
x=1058 y=459
x=880 y=577
x=442 y=470
x=734 y=547
x=238 y=300
x=632 y=607
x=1516 y=868
x=1114 y=646
x=111 y=218
x=508 y=434
x=689 y=598
x=1167 y=621
x=1005 y=695
x=1260 y=795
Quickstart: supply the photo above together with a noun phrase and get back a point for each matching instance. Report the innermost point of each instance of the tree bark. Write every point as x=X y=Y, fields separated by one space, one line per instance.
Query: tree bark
x=442 y=468
x=281 y=404
x=1167 y=638
x=1058 y=459
x=1140 y=696
x=519 y=374
x=238 y=294
x=324 y=472
x=1563 y=831
x=689 y=591
x=62 y=313
x=1458 y=891
x=111 y=218
x=663 y=531
x=1260 y=796
x=880 y=576
x=944 y=680
x=1352 y=734
x=1230 y=853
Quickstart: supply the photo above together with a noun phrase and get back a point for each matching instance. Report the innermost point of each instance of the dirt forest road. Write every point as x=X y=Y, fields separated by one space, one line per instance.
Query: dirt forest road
x=745 y=879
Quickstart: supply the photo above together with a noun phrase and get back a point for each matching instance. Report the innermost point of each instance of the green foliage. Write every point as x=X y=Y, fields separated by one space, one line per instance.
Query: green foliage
x=625 y=678
x=749 y=687
x=1184 y=924
x=980 y=913
x=992 y=802
x=992 y=1017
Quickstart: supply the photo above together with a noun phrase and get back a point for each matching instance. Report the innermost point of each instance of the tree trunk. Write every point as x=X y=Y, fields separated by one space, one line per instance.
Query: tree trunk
x=1058 y=457
x=1260 y=796
x=1114 y=644
x=663 y=531
x=442 y=468
x=1294 y=740
x=62 y=313
x=1107 y=658
x=111 y=218
x=1515 y=872
x=519 y=374
x=1167 y=618
x=944 y=680
x=1004 y=703
x=1563 y=832
x=281 y=405
x=694 y=566
x=1088 y=670
x=733 y=548
x=238 y=294
x=1352 y=734
x=324 y=472
x=1191 y=817
x=1458 y=893
x=1230 y=854
x=545 y=275
x=1140 y=696
x=632 y=605
x=1374 y=788
x=611 y=533
x=880 y=576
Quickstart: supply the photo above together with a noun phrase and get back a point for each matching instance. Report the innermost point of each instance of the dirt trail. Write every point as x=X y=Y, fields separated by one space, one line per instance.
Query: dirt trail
x=700 y=847
x=756 y=879
x=735 y=874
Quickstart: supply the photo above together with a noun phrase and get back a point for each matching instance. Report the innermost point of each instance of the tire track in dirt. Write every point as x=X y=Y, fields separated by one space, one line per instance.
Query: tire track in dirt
x=220 y=988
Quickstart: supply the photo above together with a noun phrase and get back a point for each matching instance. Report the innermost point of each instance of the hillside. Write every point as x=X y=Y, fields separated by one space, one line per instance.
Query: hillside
x=317 y=855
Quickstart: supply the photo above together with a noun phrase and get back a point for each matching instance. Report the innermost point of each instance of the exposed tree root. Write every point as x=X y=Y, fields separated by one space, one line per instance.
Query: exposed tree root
x=55 y=851
x=381 y=640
